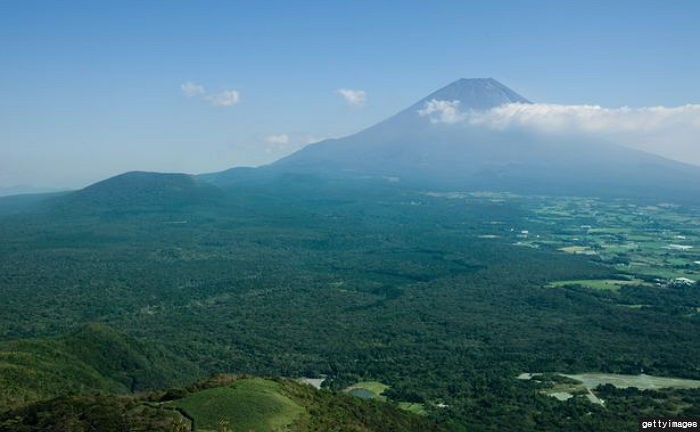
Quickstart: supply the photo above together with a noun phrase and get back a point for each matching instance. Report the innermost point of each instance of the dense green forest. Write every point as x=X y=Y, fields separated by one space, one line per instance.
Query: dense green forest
x=297 y=279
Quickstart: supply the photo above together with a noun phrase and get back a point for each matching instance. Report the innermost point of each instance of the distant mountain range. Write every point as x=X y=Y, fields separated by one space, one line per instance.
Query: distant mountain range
x=411 y=149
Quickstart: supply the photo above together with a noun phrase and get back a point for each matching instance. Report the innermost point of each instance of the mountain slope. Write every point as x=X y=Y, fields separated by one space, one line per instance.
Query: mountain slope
x=233 y=403
x=406 y=141
x=94 y=358
x=418 y=152
x=380 y=149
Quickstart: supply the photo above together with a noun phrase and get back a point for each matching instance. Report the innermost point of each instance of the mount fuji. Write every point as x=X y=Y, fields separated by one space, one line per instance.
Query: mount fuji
x=416 y=149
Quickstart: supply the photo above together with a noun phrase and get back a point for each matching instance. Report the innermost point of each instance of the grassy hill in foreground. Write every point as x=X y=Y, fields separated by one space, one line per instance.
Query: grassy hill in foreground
x=224 y=403
x=93 y=358
x=255 y=403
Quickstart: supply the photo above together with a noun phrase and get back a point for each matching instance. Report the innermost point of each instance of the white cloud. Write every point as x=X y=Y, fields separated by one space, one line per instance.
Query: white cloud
x=442 y=111
x=191 y=89
x=224 y=98
x=353 y=97
x=277 y=139
x=672 y=132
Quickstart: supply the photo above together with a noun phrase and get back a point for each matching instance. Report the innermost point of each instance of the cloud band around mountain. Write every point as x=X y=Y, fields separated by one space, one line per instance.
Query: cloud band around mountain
x=442 y=111
x=673 y=132
x=589 y=118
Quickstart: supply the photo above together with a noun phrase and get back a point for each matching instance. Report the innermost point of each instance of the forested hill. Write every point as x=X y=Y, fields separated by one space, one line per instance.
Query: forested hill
x=93 y=358
x=139 y=191
x=97 y=378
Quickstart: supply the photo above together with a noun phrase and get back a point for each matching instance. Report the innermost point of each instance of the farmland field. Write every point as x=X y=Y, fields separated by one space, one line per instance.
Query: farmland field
x=642 y=381
x=562 y=386
x=599 y=284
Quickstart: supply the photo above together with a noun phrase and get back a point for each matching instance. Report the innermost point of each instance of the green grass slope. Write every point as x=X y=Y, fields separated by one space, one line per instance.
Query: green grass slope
x=247 y=404
x=94 y=358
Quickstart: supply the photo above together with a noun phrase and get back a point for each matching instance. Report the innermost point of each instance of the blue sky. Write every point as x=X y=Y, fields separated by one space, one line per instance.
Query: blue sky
x=89 y=89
